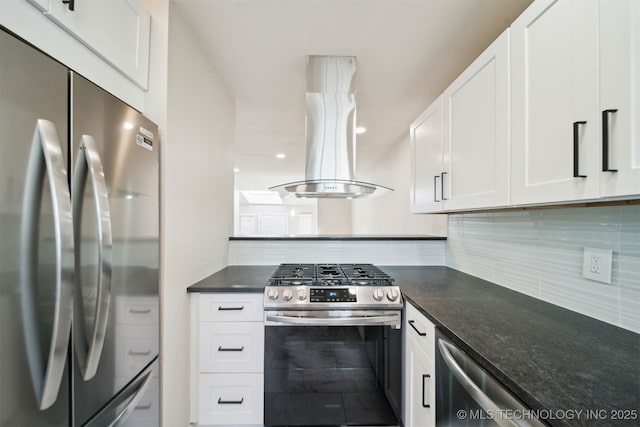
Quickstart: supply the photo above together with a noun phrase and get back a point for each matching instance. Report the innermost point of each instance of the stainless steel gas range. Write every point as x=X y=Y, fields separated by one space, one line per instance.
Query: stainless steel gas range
x=332 y=294
x=332 y=346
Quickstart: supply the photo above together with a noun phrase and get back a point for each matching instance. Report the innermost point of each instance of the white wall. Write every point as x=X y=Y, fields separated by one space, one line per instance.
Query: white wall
x=335 y=216
x=389 y=213
x=197 y=200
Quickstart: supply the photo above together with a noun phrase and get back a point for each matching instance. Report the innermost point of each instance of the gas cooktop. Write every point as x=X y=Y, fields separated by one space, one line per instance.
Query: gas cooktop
x=329 y=275
x=331 y=286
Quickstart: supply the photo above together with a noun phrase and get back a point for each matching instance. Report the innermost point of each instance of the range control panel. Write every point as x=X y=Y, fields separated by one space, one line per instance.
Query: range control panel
x=333 y=295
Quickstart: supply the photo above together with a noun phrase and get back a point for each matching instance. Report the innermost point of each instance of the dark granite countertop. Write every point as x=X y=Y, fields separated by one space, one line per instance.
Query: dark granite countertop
x=235 y=278
x=553 y=359
x=342 y=237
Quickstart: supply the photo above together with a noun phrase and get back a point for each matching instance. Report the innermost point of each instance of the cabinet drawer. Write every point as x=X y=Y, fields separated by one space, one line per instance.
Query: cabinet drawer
x=146 y=413
x=231 y=347
x=137 y=310
x=228 y=399
x=420 y=330
x=231 y=307
x=134 y=352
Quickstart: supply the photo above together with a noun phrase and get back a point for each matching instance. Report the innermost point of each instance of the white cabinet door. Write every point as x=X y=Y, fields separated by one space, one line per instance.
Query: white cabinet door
x=476 y=137
x=619 y=97
x=419 y=369
x=420 y=387
x=426 y=160
x=117 y=30
x=554 y=73
x=40 y=4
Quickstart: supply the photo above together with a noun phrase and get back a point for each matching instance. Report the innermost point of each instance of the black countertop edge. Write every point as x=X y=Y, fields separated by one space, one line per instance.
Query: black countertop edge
x=340 y=237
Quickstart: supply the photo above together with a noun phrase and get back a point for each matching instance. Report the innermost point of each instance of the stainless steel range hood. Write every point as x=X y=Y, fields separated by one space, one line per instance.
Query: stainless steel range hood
x=330 y=132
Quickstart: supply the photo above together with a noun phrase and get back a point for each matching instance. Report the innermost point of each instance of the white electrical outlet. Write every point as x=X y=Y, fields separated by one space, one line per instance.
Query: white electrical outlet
x=596 y=264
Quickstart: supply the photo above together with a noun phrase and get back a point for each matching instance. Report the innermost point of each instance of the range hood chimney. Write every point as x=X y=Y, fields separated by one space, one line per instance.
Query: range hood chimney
x=330 y=132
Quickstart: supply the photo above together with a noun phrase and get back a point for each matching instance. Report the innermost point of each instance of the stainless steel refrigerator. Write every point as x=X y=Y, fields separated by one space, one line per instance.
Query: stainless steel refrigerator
x=79 y=249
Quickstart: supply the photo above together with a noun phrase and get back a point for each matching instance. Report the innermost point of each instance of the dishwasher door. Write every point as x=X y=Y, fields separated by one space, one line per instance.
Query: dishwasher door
x=468 y=396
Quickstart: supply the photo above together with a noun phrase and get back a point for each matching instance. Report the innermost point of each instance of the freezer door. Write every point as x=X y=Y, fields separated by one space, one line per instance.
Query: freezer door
x=36 y=258
x=115 y=191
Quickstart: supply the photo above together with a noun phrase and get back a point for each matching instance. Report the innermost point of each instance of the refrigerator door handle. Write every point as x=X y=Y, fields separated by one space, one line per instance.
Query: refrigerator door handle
x=89 y=345
x=46 y=158
x=137 y=392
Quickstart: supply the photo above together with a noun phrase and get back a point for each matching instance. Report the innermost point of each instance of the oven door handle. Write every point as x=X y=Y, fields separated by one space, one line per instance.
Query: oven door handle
x=340 y=321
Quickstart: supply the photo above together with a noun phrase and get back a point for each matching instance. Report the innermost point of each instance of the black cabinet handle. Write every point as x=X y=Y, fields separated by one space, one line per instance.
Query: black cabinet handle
x=605 y=140
x=221 y=308
x=71 y=4
x=220 y=348
x=425 y=405
x=435 y=188
x=442 y=186
x=576 y=152
x=230 y=402
x=411 y=323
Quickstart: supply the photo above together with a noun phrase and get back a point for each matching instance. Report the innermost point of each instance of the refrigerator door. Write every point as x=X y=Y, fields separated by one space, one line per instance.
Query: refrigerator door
x=36 y=240
x=116 y=213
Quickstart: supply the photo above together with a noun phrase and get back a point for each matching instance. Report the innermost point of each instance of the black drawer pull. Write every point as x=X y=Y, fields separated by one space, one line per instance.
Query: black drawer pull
x=576 y=152
x=422 y=334
x=425 y=405
x=220 y=348
x=221 y=308
x=605 y=141
x=230 y=402
x=70 y=3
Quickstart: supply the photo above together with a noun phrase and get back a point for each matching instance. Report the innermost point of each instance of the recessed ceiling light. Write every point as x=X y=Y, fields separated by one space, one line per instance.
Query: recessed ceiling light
x=236 y=170
x=361 y=130
x=281 y=155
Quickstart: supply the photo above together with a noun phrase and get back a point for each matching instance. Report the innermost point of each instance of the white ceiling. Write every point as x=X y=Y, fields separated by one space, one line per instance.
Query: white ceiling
x=408 y=51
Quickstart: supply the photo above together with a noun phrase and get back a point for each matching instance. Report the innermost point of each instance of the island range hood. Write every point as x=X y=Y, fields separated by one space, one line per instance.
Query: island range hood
x=330 y=133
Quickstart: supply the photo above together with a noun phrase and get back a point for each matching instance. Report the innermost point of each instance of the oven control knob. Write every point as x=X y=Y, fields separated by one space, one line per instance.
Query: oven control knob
x=272 y=294
x=287 y=294
x=301 y=294
x=392 y=294
x=378 y=294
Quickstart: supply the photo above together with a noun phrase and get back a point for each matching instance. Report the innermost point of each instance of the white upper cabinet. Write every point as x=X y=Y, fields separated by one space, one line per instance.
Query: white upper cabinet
x=40 y=4
x=476 y=137
x=555 y=123
x=619 y=52
x=460 y=143
x=426 y=160
x=116 y=30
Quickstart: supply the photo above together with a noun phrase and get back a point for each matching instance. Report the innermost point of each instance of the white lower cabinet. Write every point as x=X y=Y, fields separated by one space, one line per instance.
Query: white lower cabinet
x=228 y=399
x=227 y=335
x=420 y=370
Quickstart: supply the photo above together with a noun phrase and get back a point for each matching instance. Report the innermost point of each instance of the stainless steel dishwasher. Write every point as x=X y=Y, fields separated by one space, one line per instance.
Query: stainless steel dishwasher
x=466 y=395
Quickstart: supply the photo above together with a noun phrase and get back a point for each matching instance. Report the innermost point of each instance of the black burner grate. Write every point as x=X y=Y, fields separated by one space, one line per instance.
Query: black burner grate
x=329 y=275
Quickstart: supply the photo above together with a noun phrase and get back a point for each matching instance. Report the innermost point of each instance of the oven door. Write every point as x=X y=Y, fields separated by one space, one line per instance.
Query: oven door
x=318 y=375
x=334 y=318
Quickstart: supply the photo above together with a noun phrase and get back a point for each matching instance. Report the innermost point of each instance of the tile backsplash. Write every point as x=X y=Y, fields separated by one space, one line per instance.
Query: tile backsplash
x=539 y=252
